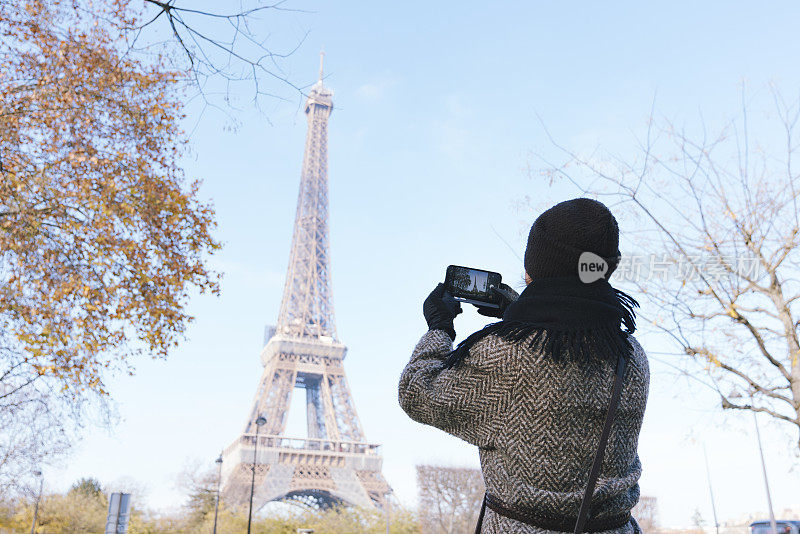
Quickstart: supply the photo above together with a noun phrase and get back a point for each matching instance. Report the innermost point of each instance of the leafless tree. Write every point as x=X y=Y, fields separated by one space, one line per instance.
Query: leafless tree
x=199 y=483
x=39 y=420
x=717 y=224
x=646 y=513
x=449 y=498
x=34 y=432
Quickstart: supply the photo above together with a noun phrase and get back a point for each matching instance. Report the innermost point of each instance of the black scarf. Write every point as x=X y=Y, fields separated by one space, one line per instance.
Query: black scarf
x=570 y=318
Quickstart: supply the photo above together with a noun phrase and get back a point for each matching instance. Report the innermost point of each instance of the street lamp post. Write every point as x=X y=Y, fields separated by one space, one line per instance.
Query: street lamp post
x=772 y=523
x=711 y=490
x=219 y=479
x=38 y=498
x=386 y=505
x=259 y=423
x=764 y=472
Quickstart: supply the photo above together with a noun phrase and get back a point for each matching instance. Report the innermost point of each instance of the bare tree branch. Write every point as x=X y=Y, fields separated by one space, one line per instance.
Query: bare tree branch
x=707 y=203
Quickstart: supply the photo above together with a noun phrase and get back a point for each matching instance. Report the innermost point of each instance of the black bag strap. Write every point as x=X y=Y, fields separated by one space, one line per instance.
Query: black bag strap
x=480 y=516
x=586 y=504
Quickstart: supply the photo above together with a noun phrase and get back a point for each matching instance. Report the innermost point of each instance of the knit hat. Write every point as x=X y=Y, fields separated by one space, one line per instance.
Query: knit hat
x=561 y=234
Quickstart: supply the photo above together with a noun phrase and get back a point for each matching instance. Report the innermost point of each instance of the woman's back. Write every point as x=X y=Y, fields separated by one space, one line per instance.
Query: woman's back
x=544 y=451
x=536 y=422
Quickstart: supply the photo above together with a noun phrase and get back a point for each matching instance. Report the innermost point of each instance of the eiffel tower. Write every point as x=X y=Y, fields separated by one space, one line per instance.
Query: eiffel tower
x=333 y=464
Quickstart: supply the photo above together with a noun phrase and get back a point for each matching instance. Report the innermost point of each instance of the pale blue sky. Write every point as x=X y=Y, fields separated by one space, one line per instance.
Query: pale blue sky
x=435 y=117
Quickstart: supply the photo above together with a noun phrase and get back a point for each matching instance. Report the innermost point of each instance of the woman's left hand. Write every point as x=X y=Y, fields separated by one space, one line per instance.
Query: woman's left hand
x=439 y=309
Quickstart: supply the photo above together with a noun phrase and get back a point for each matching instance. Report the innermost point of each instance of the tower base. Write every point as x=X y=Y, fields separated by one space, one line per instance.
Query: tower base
x=316 y=472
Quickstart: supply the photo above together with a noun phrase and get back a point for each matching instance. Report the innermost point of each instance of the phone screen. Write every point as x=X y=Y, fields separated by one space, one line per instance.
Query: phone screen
x=471 y=284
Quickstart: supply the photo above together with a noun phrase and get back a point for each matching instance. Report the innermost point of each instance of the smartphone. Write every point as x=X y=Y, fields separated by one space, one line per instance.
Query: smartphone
x=472 y=285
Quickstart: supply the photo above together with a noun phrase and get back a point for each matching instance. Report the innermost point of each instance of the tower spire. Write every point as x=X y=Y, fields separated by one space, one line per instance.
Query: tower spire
x=307 y=307
x=321 y=61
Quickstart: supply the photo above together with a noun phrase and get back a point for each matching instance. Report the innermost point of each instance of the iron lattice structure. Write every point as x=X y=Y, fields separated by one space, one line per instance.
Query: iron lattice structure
x=334 y=463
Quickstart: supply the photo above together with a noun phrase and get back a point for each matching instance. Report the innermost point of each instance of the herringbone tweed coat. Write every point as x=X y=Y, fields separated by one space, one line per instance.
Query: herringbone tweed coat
x=536 y=423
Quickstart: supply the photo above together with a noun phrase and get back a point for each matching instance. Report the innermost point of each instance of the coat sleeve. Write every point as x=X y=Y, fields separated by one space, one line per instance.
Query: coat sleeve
x=469 y=400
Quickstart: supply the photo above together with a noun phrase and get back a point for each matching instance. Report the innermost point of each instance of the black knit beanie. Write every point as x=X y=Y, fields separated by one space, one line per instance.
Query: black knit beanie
x=561 y=234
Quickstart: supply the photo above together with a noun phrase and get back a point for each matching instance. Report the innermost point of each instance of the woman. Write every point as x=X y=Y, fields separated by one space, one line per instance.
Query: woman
x=532 y=391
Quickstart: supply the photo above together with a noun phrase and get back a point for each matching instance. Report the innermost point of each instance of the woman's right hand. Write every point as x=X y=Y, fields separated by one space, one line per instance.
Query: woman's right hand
x=506 y=295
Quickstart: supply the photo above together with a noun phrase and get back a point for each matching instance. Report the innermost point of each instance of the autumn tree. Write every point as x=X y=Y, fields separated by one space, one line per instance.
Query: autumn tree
x=102 y=238
x=715 y=219
x=200 y=487
x=89 y=487
x=449 y=498
x=74 y=511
